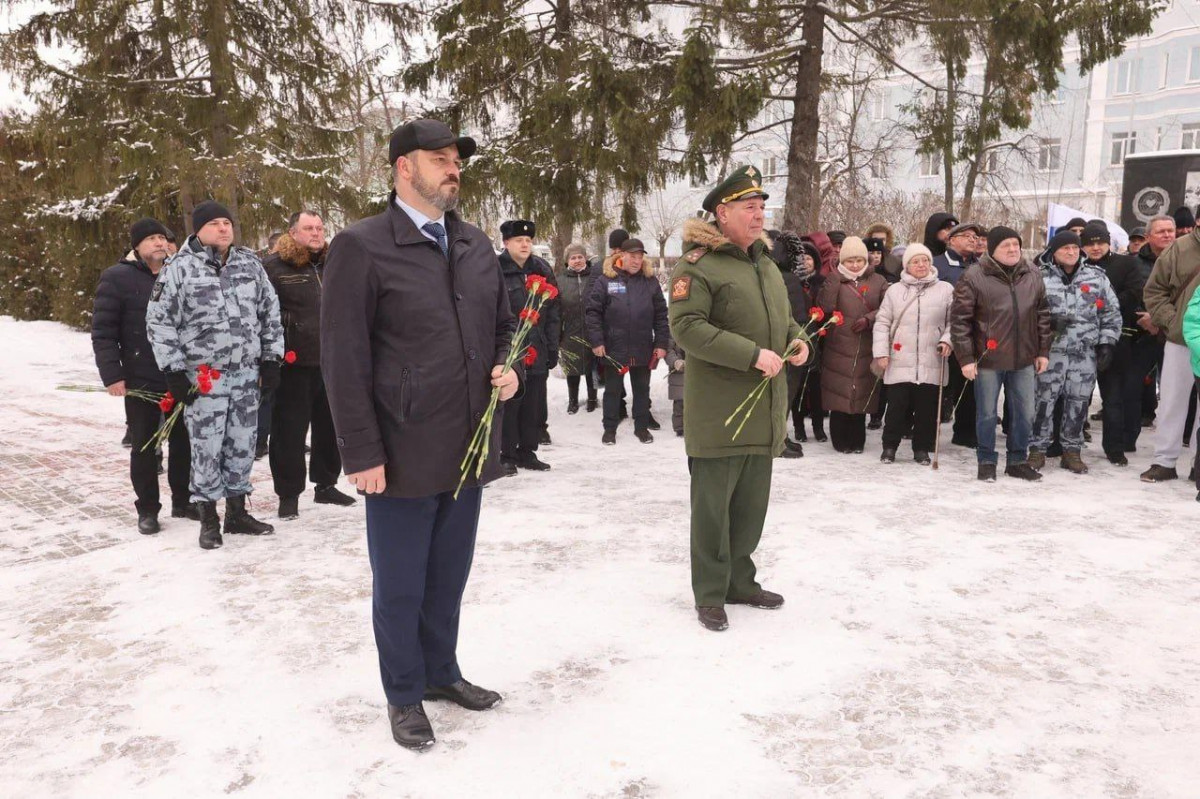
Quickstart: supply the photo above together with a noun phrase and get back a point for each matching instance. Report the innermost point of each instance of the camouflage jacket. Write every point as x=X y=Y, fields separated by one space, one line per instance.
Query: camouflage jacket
x=1084 y=311
x=200 y=311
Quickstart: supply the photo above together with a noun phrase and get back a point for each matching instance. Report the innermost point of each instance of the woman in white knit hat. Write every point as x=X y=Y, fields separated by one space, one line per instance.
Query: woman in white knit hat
x=911 y=341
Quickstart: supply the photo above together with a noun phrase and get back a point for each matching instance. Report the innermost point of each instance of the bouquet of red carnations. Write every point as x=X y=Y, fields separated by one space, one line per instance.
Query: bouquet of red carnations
x=538 y=293
x=205 y=377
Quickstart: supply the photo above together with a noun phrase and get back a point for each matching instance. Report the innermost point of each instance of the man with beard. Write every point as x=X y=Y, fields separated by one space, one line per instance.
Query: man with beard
x=295 y=268
x=415 y=331
x=126 y=361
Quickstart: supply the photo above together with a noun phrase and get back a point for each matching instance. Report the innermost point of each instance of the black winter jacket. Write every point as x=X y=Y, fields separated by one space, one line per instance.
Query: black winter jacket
x=627 y=315
x=545 y=334
x=1127 y=283
x=119 y=326
x=297 y=277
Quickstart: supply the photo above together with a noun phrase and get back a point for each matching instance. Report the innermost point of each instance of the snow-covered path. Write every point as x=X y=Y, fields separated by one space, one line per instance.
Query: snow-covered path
x=940 y=638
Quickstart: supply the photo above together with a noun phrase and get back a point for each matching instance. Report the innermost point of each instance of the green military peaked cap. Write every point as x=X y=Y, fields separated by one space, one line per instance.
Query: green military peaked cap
x=742 y=184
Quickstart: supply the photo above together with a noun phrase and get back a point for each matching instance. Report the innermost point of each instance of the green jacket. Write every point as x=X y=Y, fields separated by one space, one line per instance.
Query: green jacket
x=725 y=306
x=1191 y=326
x=1169 y=287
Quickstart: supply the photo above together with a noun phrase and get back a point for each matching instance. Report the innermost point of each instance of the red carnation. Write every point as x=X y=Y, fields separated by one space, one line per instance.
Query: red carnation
x=214 y=374
x=289 y=356
x=822 y=332
x=1099 y=303
x=992 y=344
x=624 y=370
x=838 y=318
x=551 y=292
x=816 y=314
x=203 y=369
x=1148 y=380
x=1085 y=288
x=864 y=290
x=531 y=355
x=534 y=316
x=204 y=384
x=534 y=283
x=166 y=404
x=896 y=346
x=525 y=312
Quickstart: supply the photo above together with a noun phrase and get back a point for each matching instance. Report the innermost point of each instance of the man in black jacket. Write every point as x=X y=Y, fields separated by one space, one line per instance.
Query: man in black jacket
x=126 y=361
x=415 y=331
x=295 y=268
x=524 y=418
x=1120 y=384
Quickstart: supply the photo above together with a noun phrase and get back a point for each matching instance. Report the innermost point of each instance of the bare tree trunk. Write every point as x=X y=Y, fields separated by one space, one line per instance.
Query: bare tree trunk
x=216 y=41
x=800 y=206
x=948 y=141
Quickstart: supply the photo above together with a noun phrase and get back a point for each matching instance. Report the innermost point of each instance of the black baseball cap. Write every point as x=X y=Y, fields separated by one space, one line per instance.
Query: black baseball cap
x=633 y=245
x=427 y=134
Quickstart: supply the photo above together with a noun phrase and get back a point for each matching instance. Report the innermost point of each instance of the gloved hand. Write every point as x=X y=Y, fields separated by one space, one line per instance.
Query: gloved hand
x=1104 y=356
x=860 y=324
x=268 y=376
x=1059 y=323
x=552 y=359
x=181 y=388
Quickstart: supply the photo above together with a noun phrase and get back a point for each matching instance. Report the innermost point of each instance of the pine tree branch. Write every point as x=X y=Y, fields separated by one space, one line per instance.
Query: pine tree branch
x=125 y=80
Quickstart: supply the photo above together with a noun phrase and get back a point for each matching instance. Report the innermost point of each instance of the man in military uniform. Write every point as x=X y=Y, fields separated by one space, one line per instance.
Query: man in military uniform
x=213 y=305
x=729 y=311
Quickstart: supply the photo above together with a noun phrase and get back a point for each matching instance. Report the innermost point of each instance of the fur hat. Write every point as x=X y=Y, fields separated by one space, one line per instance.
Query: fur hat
x=852 y=247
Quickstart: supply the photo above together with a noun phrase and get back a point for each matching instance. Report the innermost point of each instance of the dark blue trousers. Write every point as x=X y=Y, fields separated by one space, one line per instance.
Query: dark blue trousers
x=421 y=552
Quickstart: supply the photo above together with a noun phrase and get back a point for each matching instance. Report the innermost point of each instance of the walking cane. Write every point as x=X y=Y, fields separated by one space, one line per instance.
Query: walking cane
x=937 y=441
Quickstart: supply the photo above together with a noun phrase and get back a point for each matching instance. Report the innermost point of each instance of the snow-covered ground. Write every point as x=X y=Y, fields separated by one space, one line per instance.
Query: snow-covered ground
x=941 y=638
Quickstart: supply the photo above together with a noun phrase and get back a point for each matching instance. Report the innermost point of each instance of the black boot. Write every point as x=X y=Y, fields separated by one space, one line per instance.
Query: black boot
x=238 y=520
x=210 y=525
x=921 y=457
x=987 y=472
x=889 y=455
x=508 y=467
x=329 y=495
x=1022 y=471
x=185 y=511
x=573 y=406
x=148 y=523
x=529 y=460
x=592 y=403
x=819 y=432
x=289 y=508
x=875 y=422
x=644 y=436
x=652 y=423
x=544 y=438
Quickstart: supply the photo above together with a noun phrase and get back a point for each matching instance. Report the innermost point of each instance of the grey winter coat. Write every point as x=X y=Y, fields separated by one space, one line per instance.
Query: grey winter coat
x=676 y=363
x=915 y=315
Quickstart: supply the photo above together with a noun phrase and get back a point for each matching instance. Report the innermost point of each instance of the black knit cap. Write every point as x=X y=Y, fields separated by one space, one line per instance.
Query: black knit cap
x=143 y=229
x=1078 y=221
x=1184 y=218
x=617 y=238
x=516 y=227
x=1062 y=238
x=1001 y=233
x=207 y=211
x=1095 y=231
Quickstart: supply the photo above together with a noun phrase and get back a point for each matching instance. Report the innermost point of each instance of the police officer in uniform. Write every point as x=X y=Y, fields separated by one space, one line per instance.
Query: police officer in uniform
x=729 y=311
x=213 y=305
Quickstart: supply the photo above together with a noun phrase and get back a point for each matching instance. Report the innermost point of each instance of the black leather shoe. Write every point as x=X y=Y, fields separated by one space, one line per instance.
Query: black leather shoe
x=987 y=472
x=1118 y=459
x=767 y=600
x=509 y=468
x=289 y=507
x=652 y=423
x=410 y=727
x=148 y=523
x=713 y=618
x=875 y=423
x=329 y=495
x=532 y=463
x=820 y=436
x=210 y=525
x=187 y=511
x=609 y=437
x=794 y=446
x=238 y=520
x=1022 y=471
x=464 y=694
x=790 y=454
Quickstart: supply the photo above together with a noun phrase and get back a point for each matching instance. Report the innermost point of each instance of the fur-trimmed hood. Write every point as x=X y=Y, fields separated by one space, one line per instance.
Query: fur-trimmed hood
x=889 y=235
x=699 y=233
x=610 y=265
x=295 y=255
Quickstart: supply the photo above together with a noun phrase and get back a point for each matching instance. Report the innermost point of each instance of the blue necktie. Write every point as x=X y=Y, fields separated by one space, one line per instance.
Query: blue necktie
x=439 y=233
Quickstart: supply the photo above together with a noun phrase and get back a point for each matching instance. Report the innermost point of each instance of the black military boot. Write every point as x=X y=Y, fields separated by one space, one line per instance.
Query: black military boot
x=238 y=520
x=210 y=525
x=289 y=508
x=329 y=495
x=186 y=510
x=410 y=727
x=147 y=522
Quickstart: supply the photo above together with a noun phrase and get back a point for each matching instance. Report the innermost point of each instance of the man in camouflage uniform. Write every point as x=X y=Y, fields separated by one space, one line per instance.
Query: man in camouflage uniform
x=213 y=305
x=1086 y=320
x=729 y=311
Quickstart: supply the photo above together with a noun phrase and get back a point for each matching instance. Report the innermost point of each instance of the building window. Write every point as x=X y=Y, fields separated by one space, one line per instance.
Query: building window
x=876 y=104
x=1166 y=71
x=1123 y=145
x=1049 y=155
x=931 y=165
x=1191 y=137
x=768 y=167
x=1124 y=70
x=1194 y=65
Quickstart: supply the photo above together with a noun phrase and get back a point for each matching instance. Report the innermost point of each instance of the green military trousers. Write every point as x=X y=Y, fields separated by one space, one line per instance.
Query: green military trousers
x=729 y=505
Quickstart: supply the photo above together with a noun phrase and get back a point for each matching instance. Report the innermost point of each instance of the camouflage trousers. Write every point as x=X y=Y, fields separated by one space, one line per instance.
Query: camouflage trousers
x=223 y=428
x=1071 y=376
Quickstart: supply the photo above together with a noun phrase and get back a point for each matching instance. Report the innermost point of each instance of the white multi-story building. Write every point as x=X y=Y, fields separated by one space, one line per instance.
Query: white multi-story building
x=1073 y=153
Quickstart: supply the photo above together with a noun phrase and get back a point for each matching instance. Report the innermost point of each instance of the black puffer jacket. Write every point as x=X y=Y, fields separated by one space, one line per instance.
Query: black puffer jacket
x=119 y=326
x=627 y=315
x=574 y=288
x=545 y=334
x=1127 y=283
x=936 y=223
x=297 y=277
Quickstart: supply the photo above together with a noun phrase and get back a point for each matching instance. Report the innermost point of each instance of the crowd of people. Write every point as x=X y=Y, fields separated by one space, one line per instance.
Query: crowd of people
x=388 y=345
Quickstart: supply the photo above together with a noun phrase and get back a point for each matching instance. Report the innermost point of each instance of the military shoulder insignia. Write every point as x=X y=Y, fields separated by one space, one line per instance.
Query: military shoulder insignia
x=695 y=255
x=157 y=291
x=681 y=288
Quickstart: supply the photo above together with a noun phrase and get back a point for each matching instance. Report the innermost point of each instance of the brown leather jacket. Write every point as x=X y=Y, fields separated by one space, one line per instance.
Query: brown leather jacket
x=991 y=302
